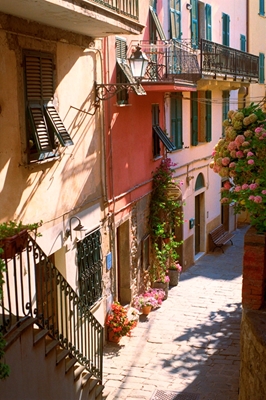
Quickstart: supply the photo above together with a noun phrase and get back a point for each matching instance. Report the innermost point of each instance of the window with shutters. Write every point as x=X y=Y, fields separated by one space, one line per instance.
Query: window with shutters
x=226 y=104
x=176 y=121
x=261 y=67
x=175 y=19
x=208 y=18
x=158 y=135
x=44 y=127
x=201 y=117
x=261 y=7
x=226 y=29
x=194 y=23
x=121 y=55
x=243 y=42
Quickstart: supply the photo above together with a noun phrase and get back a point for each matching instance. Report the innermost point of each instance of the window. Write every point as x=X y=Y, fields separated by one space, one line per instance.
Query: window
x=208 y=19
x=43 y=124
x=155 y=26
x=242 y=42
x=175 y=19
x=90 y=263
x=158 y=134
x=176 y=121
x=194 y=23
x=261 y=67
x=261 y=7
x=226 y=30
x=201 y=117
x=226 y=96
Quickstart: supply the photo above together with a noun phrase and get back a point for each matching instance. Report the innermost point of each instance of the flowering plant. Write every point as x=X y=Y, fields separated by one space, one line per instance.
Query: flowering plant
x=118 y=321
x=152 y=298
x=175 y=267
x=240 y=156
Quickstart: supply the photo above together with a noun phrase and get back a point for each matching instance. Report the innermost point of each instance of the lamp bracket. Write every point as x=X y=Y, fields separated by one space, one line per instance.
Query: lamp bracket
x=106 y=91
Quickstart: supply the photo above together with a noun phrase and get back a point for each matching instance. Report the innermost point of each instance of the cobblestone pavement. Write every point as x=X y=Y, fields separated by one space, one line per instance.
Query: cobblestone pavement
x=191 y=344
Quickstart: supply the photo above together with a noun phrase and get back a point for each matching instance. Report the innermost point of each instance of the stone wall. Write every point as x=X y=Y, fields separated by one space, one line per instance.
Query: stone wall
x=253 y=356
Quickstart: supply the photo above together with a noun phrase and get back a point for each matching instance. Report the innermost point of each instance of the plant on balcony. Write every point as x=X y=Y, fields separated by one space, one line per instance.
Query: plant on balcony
x=165 y=216
x=240 y=156
x=13 y=236
x=4 y=368
x=118 y=323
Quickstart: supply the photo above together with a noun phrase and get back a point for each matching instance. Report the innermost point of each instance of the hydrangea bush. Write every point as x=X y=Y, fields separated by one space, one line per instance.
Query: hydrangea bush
x=240 y=156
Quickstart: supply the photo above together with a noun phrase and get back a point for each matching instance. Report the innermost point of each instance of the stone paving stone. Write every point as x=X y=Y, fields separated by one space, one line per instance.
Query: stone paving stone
x=190 y=344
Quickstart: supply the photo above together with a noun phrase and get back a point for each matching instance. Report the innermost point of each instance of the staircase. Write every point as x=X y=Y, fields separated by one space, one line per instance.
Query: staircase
x=54 y=344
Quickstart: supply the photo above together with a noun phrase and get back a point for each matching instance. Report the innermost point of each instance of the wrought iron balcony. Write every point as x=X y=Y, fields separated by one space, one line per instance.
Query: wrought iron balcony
x=218 y=60
x=171 y=63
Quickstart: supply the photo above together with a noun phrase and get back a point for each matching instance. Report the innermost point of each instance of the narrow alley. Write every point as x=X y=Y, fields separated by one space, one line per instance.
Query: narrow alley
x=189 y=348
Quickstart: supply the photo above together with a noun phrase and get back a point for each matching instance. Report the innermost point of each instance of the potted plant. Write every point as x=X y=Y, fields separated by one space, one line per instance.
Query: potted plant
x=174 y=272
x=118 y=324
x=165 y=217
x=13 y=237
x=149 y=300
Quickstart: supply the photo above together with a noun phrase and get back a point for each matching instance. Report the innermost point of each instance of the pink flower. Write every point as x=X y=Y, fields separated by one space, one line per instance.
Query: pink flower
x=245 y=186
x=232 y=146
x=263 y=192
x=227 y=185
x=253 y=186
x=213 y=153
x=239 y=140
x=257 y=199
x=238 y=189
x=258 y=129
x=251 y=198
x=261 y=138
x=239 y=154
x=250 y=154
x=250 y=162
x=232 y=165
x=225 y=161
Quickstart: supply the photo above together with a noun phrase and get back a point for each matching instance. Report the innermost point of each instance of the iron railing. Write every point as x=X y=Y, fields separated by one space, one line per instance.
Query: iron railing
x=217 y=59
x=170 y=61
x=129 y=8
x=35 y=288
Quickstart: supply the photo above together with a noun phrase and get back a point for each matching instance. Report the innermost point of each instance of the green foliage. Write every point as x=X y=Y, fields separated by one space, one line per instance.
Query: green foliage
x=165 y=216
x=4 y=368
x=11 y=228
x=240 y=156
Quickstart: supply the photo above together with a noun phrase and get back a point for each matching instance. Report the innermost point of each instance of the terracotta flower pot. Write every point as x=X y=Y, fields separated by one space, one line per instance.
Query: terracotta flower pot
x=112 y=337
x=174 y=276
x=146 y=310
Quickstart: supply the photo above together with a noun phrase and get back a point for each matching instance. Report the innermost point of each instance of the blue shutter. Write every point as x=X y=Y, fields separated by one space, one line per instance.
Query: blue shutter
x=208 y=97
x=226 y=22
x=242 y=42
x=225 y=106
x=175 y=19
x=208 y=15
x=261 y=67
x=194 y=118
x=194 y=23
x=262 y=9
x=176 y=122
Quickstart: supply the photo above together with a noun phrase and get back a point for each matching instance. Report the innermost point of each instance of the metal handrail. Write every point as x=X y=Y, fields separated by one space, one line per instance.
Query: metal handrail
x=35 y=288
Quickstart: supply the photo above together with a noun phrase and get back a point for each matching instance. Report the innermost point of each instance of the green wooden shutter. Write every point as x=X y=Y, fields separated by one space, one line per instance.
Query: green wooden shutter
x=226 y=30
x=175 y=19
x=39 y=128
x=194 y=23
x=176 y=122
x=194 y=118
x=208 y=97
x=261 y=7
x=56 y=125
x=261 y=67
x=208 y=15
x=225 y=109
x=242 y=42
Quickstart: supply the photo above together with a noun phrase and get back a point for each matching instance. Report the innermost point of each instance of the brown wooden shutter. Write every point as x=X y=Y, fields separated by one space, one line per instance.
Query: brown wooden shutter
x=58 y=126
x=43 y=141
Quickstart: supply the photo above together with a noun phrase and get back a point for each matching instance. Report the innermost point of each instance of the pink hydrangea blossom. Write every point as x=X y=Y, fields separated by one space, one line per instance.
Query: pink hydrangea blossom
x=239 y=154
x=257 y=199
x=250 y=154
x=263 y=192
x=251 y=198
x=232 y=165
x=227 y=185
x=250 y=162
x=225 y=161
x=253 y=186
x=245 y=186
x=258 y=129
x=238 y=188
x=239 y=140
x=232 y=146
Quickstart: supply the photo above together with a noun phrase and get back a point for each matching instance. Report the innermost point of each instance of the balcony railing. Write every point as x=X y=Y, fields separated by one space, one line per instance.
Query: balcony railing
x=217 y=59
x=170 y=62
x=35 y=288
x=129 y=8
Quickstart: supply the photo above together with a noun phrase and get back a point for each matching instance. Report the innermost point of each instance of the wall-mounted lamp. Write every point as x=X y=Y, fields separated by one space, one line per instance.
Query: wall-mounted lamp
x=77 y=228
x=138 y=63
x=188 y=6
